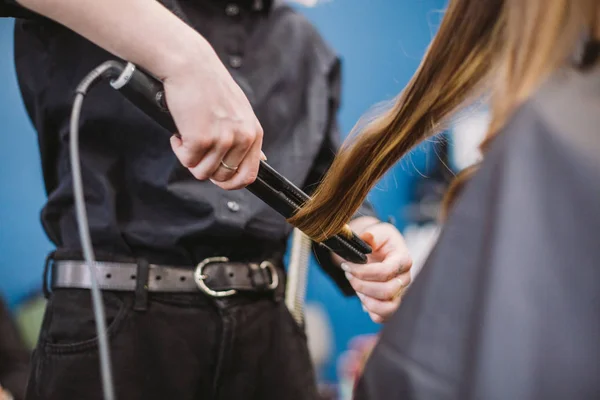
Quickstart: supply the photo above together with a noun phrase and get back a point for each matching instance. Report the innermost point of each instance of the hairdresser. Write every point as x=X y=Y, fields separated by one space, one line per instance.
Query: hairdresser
x=508 y=304
x=157 y=207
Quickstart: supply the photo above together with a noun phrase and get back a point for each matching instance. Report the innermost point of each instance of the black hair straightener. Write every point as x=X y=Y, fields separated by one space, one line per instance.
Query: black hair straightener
x=147 y=93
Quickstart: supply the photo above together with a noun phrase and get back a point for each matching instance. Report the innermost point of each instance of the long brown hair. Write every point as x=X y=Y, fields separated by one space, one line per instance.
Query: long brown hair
x=503 y=47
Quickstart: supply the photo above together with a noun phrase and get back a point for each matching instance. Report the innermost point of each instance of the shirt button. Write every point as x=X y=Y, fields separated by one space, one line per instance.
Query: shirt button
x=258 y=5
x=232 y=10
x=235 y=61
x=233 y=206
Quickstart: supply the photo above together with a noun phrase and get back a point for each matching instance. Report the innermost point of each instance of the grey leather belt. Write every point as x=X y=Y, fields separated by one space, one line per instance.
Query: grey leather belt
x=216 y=277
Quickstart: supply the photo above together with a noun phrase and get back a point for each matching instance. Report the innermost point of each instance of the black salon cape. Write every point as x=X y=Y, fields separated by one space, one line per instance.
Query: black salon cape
x=508 y=305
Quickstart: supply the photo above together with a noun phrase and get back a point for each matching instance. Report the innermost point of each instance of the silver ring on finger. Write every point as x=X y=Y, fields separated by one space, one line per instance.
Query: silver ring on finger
x=401 y=290
x=400 y=281
x=228 y=167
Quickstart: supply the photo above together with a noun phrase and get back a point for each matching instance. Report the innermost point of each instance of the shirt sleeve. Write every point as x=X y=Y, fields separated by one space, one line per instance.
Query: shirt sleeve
x=507 y=305
x=10 y=8
x=322 y=163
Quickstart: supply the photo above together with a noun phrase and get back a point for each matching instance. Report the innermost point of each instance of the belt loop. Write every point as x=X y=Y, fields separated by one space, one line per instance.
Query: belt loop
x=49 y=260
x=277 y=261
x=141 y=285
x=258 y=276
x=279 y=292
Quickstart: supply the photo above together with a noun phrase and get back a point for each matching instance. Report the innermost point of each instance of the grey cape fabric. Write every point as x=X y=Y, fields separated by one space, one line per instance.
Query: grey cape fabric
x=508 y=305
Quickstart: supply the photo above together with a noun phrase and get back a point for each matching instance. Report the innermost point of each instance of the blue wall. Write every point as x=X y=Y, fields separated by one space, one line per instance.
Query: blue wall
x=380 y=42
x=23 y=244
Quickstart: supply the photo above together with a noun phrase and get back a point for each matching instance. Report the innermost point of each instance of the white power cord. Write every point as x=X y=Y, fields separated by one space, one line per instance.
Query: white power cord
x=297 y=274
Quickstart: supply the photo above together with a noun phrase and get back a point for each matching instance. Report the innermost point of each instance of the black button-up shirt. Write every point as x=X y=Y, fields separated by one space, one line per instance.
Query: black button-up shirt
x=141 y=202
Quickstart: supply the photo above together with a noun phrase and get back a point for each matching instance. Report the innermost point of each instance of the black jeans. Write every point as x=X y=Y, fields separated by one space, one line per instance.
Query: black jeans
x=184 y=346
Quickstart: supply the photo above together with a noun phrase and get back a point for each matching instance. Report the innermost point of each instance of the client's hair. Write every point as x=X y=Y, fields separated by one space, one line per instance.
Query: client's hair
x=503 y=47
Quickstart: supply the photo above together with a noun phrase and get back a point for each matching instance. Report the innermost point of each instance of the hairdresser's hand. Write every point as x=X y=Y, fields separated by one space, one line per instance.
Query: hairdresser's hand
x=381 y=282
x=4 y=395
x=220 y=137
x=214 y=118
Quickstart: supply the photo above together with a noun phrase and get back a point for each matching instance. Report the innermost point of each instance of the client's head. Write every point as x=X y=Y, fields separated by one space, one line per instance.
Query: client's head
x=503 y=48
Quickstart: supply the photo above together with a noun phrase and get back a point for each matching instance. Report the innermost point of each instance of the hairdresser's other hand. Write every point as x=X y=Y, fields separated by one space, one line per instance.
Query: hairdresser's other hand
x=381 y=282
x=220 y=137
x=4 y=395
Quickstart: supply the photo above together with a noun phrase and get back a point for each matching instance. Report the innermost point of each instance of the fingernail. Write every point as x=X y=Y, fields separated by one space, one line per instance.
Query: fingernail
x=365 y=309
x=348 y=275
x=361 y=296
x=345 y=267
x=263 y=156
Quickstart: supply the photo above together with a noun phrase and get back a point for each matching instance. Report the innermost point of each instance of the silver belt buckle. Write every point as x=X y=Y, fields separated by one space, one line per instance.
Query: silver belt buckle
x=199 y=277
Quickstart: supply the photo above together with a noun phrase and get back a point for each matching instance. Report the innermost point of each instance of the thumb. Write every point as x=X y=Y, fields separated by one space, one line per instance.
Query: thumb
x=376 y=238
x=369 y=239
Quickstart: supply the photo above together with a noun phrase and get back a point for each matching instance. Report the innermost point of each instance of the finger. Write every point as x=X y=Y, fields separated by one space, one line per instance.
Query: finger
x=396 y=263
x=376 y=236
x=378 y=319
x=187 y=158
x=243 y=139
x=226 y=169
x=374 y=317
x=248 y=169
x=211 y=163
x=382 y=309
x=380 y=290
x=369 y=239
x=386 y=239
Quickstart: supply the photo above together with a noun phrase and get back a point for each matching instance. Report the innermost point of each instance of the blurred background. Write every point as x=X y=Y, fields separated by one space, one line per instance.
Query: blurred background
x=381 y=43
